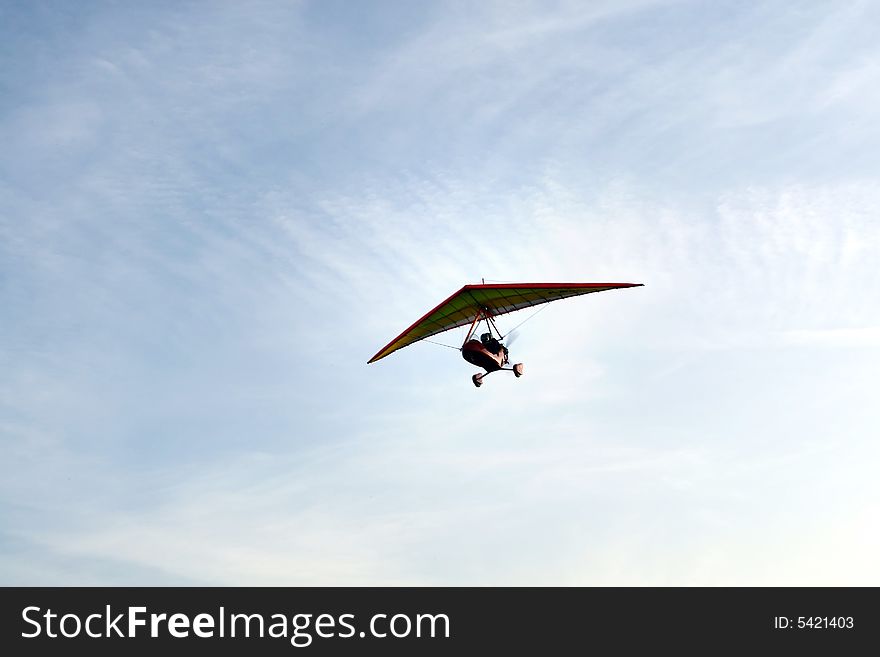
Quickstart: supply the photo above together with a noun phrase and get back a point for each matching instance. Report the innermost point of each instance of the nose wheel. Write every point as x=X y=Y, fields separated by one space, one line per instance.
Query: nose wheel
x=477 y=379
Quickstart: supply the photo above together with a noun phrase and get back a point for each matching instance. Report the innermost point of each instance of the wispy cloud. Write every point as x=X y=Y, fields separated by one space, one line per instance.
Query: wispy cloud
x=846 y=337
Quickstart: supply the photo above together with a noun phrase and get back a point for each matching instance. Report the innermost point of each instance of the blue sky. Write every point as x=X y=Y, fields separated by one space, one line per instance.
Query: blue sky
x=213 y=214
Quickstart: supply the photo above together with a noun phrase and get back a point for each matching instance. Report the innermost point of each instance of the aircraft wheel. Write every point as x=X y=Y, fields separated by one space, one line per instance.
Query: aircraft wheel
x=477 y=379
x=518 y=370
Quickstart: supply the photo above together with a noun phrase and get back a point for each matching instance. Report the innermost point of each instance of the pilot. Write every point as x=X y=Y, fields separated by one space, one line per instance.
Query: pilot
x=493 y=346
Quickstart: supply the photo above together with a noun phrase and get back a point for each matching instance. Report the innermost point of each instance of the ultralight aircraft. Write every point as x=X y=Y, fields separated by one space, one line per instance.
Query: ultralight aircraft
x=474 y=304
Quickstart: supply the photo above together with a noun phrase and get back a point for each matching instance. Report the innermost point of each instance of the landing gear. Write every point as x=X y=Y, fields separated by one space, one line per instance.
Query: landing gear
x=516 y=369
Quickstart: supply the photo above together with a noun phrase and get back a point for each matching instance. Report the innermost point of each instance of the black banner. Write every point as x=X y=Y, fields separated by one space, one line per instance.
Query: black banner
x=434 y=621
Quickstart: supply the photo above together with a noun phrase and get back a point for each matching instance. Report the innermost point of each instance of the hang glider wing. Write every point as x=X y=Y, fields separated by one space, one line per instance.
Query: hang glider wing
x=462 y=307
